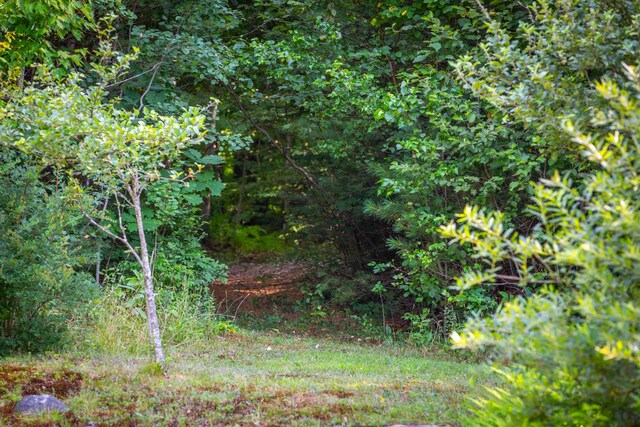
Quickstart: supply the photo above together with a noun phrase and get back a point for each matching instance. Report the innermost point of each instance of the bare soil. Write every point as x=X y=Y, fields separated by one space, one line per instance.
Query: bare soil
x=259 y=287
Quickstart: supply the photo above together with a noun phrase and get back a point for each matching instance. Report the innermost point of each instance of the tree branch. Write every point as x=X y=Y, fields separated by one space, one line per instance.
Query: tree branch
x=133 y=77
x=516 y=279
x=153 y=76
x=111 y=234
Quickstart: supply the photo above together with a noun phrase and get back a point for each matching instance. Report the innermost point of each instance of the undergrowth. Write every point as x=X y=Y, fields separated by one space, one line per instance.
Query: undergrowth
x=117 y=324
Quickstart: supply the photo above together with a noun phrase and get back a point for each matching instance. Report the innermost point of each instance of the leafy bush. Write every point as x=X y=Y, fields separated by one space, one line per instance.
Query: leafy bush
x=41 y=279
x=445 y=311
x=180 y=267
x=541 y=70
x=575 y=345
x=40 y=31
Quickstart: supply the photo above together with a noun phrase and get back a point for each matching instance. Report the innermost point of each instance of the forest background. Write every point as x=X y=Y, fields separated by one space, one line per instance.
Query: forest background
x=432 y=161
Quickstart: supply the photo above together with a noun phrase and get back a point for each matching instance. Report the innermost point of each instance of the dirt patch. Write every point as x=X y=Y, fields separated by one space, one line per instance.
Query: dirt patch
x=254 y=287
x=190 y=408
x=242 y=406
x=29 y=380
x=340 y=394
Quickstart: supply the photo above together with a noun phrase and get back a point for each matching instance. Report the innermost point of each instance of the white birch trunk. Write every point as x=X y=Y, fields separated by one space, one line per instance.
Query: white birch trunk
x=152 y=313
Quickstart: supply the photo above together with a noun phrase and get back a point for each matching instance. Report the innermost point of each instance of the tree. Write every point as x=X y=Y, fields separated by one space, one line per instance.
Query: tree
x=111 y=156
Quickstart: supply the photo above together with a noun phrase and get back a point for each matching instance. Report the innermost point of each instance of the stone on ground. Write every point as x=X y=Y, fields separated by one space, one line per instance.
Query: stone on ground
x=38 y=404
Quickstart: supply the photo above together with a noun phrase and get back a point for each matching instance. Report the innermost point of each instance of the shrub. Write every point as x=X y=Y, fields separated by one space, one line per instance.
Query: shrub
x=41 y=283
x=575 y=345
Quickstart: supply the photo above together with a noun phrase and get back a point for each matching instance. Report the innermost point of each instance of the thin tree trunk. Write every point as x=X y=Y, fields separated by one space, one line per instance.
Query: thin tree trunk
x=210 y=149
x=243 y=183
x=152 y=313
x=98 y=262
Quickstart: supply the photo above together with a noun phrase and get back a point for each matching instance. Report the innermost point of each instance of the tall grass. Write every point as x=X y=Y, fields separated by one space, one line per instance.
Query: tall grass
x=117 y=324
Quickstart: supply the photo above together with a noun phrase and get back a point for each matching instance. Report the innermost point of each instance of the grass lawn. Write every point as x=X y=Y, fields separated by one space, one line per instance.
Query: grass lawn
x=249 y=379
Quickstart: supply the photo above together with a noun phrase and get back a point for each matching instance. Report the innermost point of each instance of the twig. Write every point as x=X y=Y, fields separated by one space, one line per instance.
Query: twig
x=113 y=235
x=235 y=314
x=484 y=11
x=132 y=77
x=99 y=261
x=518 y=279
x=122 y=230
x=154 y=252
x=153 y=76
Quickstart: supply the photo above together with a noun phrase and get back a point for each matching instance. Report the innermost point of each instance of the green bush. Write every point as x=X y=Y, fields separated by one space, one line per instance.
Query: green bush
x=575 y=345
x=41 y=283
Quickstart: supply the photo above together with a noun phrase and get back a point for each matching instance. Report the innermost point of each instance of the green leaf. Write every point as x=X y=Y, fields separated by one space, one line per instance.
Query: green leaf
x=193 y=199
x=210 y=160
x=215 y=187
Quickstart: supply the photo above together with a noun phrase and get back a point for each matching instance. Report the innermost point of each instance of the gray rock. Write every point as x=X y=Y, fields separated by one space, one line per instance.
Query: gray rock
x=37 y=404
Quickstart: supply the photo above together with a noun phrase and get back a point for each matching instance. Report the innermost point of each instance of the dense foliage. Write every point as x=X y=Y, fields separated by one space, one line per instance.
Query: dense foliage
x=350 y=134
x=42 y=31
x=303 y=81
x=575 y=343
x=41 y=258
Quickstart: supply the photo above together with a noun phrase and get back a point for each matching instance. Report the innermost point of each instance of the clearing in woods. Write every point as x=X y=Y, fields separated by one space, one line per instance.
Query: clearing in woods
x=250 y=378
x=262 y=296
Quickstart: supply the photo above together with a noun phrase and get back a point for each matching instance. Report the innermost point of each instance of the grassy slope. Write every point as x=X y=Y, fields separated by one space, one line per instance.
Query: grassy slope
x=253 y=379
